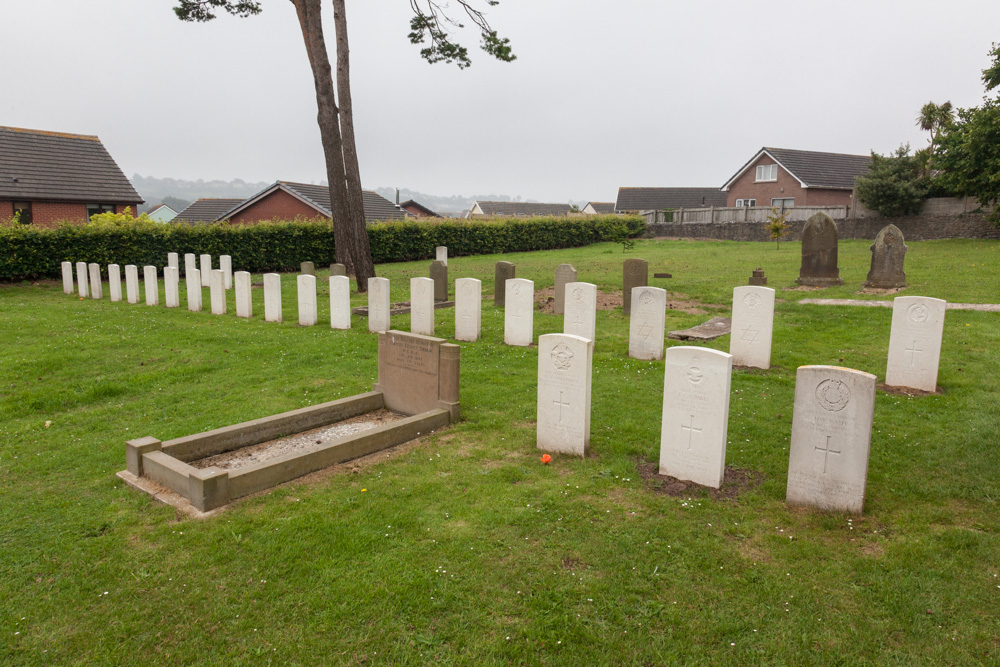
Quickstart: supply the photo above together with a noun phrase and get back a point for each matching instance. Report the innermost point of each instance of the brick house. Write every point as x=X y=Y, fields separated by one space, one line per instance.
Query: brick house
x=784 y=178
x=515 y=209
x=206 y=209
x=285 y=200
x=51 y=177
x=417 y=209
x=633 y=200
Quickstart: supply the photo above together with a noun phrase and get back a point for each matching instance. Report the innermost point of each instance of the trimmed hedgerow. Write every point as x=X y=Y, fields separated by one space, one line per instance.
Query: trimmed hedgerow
x=28 y=252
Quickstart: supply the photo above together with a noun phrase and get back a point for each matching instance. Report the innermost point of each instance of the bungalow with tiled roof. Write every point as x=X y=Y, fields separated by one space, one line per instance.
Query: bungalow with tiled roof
x=599 y=207
x=633 y=200
x=516 y=209
x=207 y=209
x=783 y=177
x=51 y=177
x=285 y=200
x=417 y=209
x=161 y=213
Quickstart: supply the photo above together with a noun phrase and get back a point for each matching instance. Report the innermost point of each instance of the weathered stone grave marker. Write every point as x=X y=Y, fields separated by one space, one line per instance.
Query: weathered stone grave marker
x=308 y=315
x=96 y=288
x=193 y=284
x=67 y=277
x=758 y=277
x=171 y=287
x=115 y=282
x=519 y=312
x=338 y=270
x=580 y=318
x=439 y=274
x=151 y=284
x=422 y=305
x=915 y=342
x=647 y=323
x=752 y=326
x=468 y=309
x=243 y=294
x=831 y=438
x=272 y=297
x=378 y=304
x=206 y=269
x=441 y=254
x=307 y=268
x=132 y=283
x=695 y=414
x=418 y=373
x=81 y=279
x=819 y=252
x=888 y=257
x=635 y=273
x=565 y=274
x=565 y=363
x=217 y=292
x=340 y=302
x=502 y=272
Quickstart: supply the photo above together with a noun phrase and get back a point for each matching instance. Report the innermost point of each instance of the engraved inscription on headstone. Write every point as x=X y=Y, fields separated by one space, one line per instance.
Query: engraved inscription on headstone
x=565 y=274
x=502 y=272
x=753 y=323
x=915 y=342
x=647 y=322
x=635 y=273
x=468 y=309
x=580 y=318
x=519 y=312
x=417 y=373
x=565 y=363
x=831 y=438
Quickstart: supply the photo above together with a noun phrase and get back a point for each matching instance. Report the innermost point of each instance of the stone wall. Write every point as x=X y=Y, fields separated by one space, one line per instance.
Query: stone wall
x=914 y=228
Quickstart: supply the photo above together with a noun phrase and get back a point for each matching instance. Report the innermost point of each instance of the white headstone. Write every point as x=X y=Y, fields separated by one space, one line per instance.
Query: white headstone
x=378 y=304
x=441 y=254
x=468 y=309
x=272 y=297
x=172 y=260
x=340 y=302
x=519 y=312
x=831 y=438
x=67 y=276
x=226 y=265
x=307 y=300
x=151 y=283
x=753 y=322
x=193 y=283
x=564 y=379
x=132 y=283
x=422 y=306
x=171 y=287
x=695 y=414
x=81 y=279
x=915 y=342
x=217 y=292
x=206 y=269
x=190 y=262
x=96 y=288
x=580 y=317
x=647 y=323
x=244 y=300
x=115 y=282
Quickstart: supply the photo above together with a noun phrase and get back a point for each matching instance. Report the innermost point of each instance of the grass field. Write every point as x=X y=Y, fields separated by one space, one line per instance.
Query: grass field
x=462 y=548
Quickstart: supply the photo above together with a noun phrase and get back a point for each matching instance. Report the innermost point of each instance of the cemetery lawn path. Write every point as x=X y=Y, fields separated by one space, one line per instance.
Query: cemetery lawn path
x=462 y=548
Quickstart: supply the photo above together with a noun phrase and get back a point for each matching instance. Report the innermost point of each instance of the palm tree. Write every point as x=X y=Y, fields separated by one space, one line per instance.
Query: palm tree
x=933 y=118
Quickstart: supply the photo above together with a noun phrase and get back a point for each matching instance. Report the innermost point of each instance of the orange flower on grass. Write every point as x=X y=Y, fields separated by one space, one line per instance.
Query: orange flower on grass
x=546 y=458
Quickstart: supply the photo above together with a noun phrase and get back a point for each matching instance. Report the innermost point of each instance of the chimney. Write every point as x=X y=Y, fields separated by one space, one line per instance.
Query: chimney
x=397 y=196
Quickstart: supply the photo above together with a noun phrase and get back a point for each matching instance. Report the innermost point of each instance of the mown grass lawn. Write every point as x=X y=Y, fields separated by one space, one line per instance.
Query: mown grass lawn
x=462 y=548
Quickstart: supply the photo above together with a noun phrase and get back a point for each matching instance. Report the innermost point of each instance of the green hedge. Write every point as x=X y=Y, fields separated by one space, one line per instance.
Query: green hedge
x=28 y=252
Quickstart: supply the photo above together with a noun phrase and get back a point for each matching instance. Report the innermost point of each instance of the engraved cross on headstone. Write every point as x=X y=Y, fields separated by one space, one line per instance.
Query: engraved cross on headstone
x=913 y=351
x=827 y=451
x=560 y=403
x=691 y=430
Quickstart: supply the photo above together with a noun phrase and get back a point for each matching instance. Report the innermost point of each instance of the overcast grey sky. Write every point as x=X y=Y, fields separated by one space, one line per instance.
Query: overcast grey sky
x=603 y=94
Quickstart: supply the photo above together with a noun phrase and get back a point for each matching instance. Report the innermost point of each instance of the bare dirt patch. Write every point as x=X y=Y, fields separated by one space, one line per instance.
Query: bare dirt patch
x=545 y=299
x=298 y=443
x=802 y=288
x=879 y=290
x=737 y=482
x=907 y=391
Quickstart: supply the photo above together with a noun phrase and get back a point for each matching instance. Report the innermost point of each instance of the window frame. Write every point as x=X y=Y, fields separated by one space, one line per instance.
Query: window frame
x=23 y=206
x=746 y=202
x=783 y=199
x=100 y=208
x=771 y=168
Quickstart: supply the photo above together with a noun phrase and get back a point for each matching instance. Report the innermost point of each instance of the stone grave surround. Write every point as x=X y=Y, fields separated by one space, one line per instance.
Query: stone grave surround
x=819 y=252
x=647 y=323
x=422 y=293
x=502 y=272
x=915 y=342
x=888 y=257
x=831 y=438
x=752 y=326
x=468 y=309
x=695 y=419
x=519 y=312
x=417 y=376
x=565 y=364
x=635 y=273
x=565 y=274
x=580 y=318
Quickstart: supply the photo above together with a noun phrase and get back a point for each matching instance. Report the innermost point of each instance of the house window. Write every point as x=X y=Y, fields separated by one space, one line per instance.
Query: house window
x=767 y=172
x=94 y=209
x=787 y=202
x=746 y=202
x=22 y=209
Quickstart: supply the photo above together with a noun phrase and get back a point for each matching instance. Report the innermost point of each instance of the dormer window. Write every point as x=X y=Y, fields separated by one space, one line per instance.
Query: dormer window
x=766 y=172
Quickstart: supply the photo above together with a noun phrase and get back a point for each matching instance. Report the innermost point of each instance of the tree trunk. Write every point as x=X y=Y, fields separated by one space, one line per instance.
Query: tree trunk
x=361 y=253
x=311 y=22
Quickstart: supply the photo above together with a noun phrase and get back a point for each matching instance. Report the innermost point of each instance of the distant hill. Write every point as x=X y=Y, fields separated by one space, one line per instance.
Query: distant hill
x=453 y=205
x=156 y=190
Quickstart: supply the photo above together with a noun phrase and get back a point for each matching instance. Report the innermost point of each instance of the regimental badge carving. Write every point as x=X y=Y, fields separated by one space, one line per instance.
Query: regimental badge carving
x=577 y=294
x=376 y=287
x=468 y=289
x=833 y=395
x=695 y=374
x=562 y=357
x=515 y=289
x=421 y=288
x=889 y=239
x=751 y=300
x=634 y=269
x=918 y=312
x=646 y=297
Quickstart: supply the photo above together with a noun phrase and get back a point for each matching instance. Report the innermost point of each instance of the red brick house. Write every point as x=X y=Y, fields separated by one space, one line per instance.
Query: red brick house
x=51 y=177
x=285 y=200
x=417 y=209
x=633 y=200
x=206 y=209
x=784 y=178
